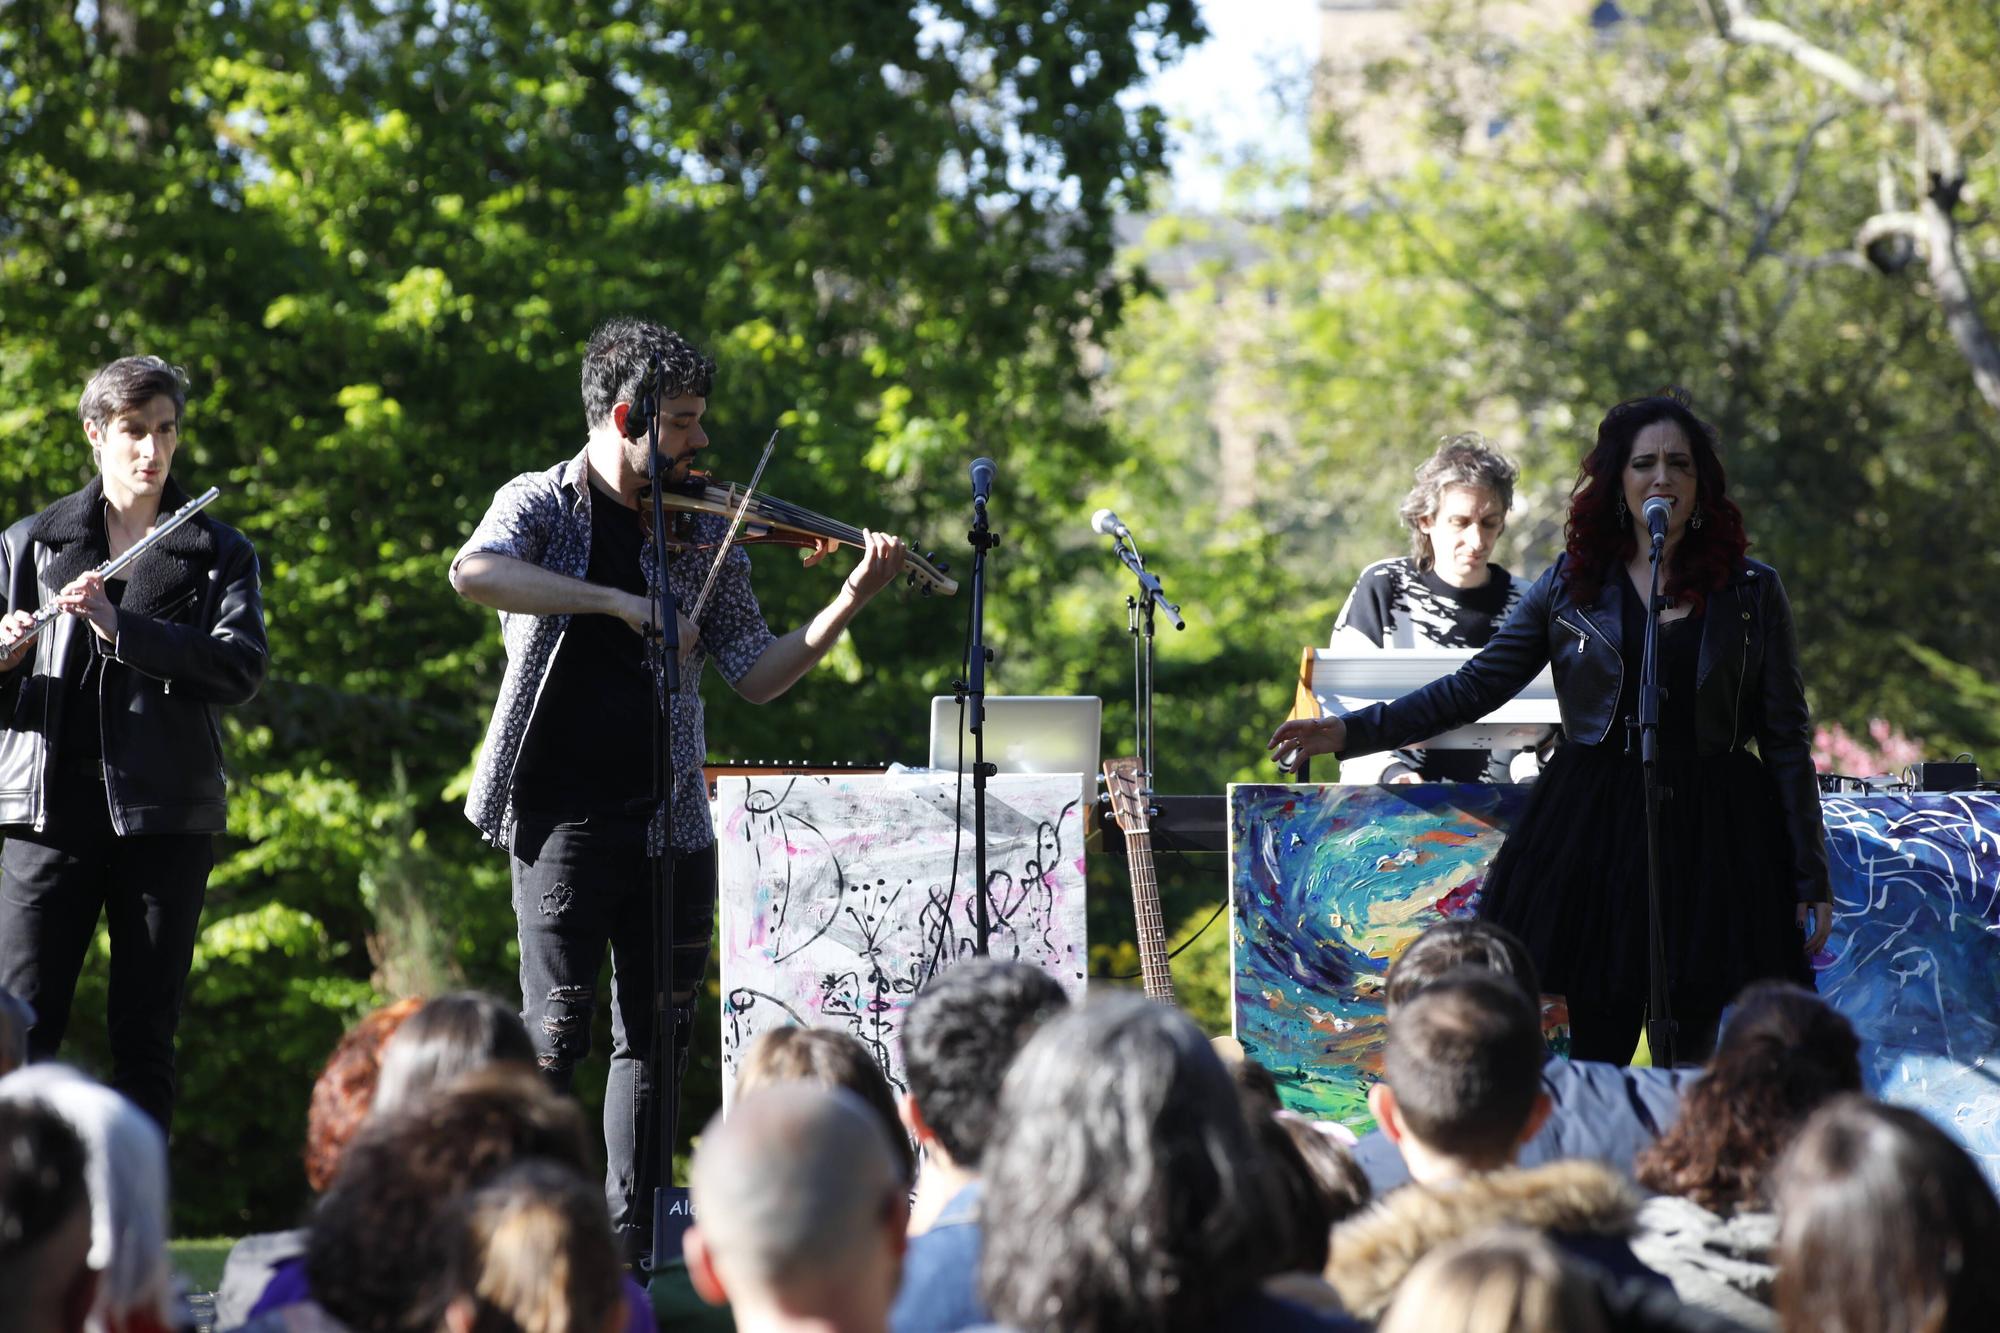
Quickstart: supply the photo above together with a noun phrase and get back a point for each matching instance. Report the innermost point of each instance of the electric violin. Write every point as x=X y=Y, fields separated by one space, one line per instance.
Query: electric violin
x=765 y=518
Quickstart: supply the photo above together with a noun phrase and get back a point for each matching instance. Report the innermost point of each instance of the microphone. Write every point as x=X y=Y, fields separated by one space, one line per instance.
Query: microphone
x=645 y=399
x=1656 y=512
x=982 y=481
x=1108 y=523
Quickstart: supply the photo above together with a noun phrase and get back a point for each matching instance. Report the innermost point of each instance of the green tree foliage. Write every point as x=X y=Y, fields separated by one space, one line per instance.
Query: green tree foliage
x=1573 y=216
x=378 y=234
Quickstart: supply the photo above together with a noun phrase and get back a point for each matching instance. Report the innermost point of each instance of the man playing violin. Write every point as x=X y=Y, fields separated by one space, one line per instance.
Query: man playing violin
x=111 y=781
x=564 y=779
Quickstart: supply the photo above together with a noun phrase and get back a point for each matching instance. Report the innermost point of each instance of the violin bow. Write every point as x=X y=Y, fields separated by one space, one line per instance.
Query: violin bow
x=736 y=523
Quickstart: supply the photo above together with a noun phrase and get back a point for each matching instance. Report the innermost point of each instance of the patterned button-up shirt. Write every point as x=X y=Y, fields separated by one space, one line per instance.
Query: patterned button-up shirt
x=544 y=519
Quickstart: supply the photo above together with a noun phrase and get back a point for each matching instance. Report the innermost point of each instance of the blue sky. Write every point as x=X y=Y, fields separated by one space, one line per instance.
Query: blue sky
x=1220 y=97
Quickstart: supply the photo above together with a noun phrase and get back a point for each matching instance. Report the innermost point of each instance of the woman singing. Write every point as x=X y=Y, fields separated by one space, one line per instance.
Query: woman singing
x=1743 y=853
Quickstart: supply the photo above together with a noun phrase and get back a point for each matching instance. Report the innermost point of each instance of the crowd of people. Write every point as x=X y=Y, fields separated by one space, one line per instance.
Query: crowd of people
x=1049 y=1167
x=1054 y=1167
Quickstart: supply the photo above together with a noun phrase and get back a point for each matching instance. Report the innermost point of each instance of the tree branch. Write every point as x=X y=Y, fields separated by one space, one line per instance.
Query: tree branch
x=1941 y=170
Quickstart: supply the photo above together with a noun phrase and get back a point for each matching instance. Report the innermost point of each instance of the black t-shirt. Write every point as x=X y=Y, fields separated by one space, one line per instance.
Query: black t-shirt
x=1396 y=605
x=80 y=750
x=589 y=748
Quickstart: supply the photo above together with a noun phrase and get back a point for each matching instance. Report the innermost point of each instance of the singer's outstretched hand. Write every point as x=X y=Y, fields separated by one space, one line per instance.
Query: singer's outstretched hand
x=1303 y=737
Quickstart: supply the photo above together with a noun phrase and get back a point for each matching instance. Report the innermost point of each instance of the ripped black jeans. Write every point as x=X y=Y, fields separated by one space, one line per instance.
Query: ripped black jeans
x=580 y=884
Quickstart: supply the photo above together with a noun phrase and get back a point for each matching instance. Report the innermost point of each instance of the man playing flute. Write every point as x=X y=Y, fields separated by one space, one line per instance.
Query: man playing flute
x=111 y=774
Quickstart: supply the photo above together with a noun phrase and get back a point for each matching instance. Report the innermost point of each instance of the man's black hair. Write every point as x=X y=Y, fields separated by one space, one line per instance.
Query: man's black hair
x=1465 y=1061
x=960 y=1035
x=615 y=363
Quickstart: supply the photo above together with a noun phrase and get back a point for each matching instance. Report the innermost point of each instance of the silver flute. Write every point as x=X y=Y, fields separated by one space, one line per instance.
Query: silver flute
x=45 y=614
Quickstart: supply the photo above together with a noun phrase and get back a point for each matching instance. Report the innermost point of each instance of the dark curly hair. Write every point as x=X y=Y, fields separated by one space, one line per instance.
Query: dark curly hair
x=1598 y=538
x=375 y=1248
x=615 y=362
x=1783 y=1053
x=960 y=1034
x=1124 y=1189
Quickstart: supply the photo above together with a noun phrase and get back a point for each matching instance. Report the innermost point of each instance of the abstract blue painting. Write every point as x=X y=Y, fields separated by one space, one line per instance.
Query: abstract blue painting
x=1914 y=958
x=1328 y=883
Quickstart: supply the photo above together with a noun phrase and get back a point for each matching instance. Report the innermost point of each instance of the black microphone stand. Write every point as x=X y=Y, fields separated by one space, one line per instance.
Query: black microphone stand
x=663 y=647
x=972 y=692
x=1659 y=1019
x=1139 y=622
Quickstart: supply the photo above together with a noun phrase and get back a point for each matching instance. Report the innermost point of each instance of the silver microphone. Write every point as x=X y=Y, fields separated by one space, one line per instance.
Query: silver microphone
x=1108 y=523
x=1656 y=511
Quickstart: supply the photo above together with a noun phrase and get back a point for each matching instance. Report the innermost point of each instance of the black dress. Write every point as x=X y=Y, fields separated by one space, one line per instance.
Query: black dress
x=1571 y=878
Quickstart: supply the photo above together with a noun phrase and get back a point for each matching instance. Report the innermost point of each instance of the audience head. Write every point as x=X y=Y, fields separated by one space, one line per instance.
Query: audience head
x=1461 y=1085
x=1314 y=1180
x=531 y=1252
x=1460 y=943
x=374 y=1247
x=959 y=1035
x=1336 y=1177
x=1123 y=1187
x=1783 y=1052
x=1884 y=1225
x=447 y=1037
x=125 y=1170
x=44 y=1222
x=15 y=1020
x=800 y=1207
x=827 y=1058
x=1506 y=1280
x=346 y=1090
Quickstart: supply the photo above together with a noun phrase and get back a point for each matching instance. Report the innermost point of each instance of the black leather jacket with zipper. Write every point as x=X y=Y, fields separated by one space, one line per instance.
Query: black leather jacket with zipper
x=1747 y=687
x=190 y=639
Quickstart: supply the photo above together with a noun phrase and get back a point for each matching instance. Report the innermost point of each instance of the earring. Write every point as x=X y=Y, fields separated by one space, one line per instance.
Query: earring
x=1697 y=518
x=1623 y=512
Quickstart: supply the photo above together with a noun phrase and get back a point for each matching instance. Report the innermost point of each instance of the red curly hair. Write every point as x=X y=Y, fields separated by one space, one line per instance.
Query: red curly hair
x=1784 y=1052
x=1598 y=538
x=346 y=1089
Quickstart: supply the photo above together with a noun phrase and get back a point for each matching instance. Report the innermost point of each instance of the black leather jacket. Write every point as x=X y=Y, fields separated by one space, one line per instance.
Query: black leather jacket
x=190 y=638
x=1747 y=686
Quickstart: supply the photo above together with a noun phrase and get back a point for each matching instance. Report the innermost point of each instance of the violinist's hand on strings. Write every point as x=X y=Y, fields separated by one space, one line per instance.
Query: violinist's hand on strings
x=882 y=563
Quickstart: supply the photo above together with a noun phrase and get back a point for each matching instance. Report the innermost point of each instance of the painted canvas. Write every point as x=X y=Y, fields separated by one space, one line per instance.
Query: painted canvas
x=1328 y=883
x=1914 y=958
x=840 y=896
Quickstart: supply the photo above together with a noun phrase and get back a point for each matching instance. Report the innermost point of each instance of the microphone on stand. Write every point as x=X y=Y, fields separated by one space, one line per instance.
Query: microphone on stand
x=1109 y=524
x=645 y=401
x=982 y=481
x=1656 y=512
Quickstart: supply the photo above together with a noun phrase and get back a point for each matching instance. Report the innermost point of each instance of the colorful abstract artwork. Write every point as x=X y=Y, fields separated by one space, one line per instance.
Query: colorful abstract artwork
x=841 y=896
x=1327 y=884
x=1914 y=958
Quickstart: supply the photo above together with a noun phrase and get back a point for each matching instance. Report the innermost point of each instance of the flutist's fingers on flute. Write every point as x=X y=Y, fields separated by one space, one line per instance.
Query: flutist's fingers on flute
x=12 y=648
x=85 y=596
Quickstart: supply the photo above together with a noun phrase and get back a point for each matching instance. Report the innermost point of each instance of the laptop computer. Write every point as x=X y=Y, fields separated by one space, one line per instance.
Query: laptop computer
x=1025 y=733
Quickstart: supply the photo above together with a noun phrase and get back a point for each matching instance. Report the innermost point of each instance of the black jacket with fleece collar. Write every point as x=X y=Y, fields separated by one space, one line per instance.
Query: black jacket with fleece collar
x=190 y=639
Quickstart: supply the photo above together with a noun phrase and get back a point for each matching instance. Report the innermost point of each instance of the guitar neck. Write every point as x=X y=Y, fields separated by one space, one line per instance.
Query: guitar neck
x=1152 y=932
